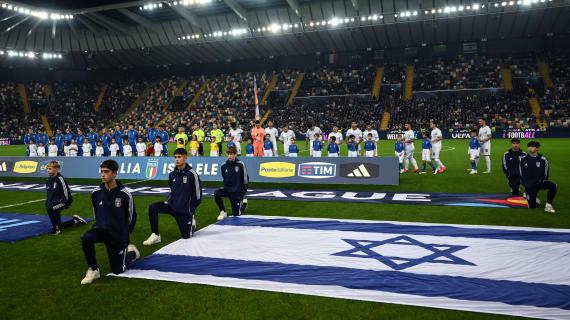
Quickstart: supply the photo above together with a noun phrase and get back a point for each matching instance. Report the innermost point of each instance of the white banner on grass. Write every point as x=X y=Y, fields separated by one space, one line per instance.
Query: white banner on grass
x=504 y=270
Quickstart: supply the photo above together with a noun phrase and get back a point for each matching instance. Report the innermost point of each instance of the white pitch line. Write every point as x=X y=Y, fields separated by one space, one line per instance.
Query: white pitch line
x=38 y=200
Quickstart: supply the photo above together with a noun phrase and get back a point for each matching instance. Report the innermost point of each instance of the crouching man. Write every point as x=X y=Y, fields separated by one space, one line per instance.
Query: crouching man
x=115 y=217
x=236 y=179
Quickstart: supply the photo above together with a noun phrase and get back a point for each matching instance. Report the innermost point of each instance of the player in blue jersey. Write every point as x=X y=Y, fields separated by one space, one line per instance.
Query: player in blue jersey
x=293 y=149
x=92 y=137
x=333 y=149
x=317 y=146
x=249 y=148
x=426 y=153
x=473 y=151
x=352 y=146
x=370 y=146
x=400 y=151
x=267 y=146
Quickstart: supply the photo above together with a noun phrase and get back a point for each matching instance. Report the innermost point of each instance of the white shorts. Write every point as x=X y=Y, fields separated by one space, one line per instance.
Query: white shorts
x=352 y=154
x=333 y=155
x=214 y=154
x=286 y=148
x=485 y=149
x=193 y=153
x=267 y=153
x=400 y=156
x=238 y=148
x=410 y=152
x=292 y=155
x=140 y=154
x=473 y=154
x=249 y=155
x=52 y=154
x=435 y=150
x=317 y=154
x=426 y=155
x=369 y=154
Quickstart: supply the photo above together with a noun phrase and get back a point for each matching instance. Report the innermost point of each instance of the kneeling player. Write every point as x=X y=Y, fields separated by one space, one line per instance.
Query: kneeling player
x=185 y=197
x=473 y=151
x=236 y=179
x=115 y=217
x=426 y=154
x=58 y=198
x=534 y=177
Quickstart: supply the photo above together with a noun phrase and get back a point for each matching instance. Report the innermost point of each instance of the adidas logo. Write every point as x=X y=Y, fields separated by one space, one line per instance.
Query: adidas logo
x=3 y=167
x=360 y=171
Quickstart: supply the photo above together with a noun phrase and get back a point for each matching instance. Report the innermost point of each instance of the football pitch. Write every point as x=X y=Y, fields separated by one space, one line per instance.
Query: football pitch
x=41 y=276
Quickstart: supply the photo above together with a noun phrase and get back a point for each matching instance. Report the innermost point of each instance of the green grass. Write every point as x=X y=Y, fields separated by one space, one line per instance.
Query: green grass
x=40 y=276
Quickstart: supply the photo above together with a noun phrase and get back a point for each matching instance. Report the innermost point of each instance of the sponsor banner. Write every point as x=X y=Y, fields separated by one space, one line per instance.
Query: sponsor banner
x=377 y=171
x=441 y=199
x=19 y=226
x=503 y=270
x=502 y=134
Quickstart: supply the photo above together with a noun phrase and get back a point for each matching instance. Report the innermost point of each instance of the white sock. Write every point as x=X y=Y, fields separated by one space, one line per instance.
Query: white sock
x=488 y=163
x=439 y=163
x=415 y=164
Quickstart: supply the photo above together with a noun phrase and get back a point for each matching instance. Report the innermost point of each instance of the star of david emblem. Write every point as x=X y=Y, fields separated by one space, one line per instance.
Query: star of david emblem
x=436 y=253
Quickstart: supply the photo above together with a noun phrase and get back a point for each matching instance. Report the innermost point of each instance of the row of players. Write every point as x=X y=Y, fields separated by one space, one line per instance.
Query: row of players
x=115 y=212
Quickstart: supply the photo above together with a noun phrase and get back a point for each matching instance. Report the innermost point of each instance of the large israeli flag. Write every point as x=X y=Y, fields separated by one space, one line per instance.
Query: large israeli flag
x=504 y=270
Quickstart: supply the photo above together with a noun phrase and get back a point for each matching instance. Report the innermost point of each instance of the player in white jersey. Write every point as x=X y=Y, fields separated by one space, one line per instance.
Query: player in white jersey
x=375 y=136
x=357 y=133
x=52 y=149
x=485 y=136
x=273 y=134
x=127 y=149
x=286 y=136
x=337 y=134
x=141 y=148
x=99 y=151
x=237 y=136
x=33 y=149
x=436 y=145
x=86 y=147
x=310 y=134
x=41 y=150
x=114 y=148
x=409 y=137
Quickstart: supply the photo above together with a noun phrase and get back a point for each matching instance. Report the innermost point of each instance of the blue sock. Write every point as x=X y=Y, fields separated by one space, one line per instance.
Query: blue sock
x=473 y=165
x=432 y=166
x=401 y=166
x=424 y=167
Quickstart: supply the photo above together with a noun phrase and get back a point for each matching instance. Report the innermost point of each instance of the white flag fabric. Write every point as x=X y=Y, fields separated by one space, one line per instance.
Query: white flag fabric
x=503 y=270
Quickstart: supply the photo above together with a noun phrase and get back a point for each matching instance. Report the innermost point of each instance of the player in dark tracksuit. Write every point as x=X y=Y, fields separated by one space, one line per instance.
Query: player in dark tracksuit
x=115 y=216
x=534 y=177
x=511 y=160
x=58 y=198
x=236 y=179
x=185 y=197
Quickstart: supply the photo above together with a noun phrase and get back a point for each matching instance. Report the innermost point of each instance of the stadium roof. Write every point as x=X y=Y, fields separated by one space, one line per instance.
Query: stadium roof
x=104 y=33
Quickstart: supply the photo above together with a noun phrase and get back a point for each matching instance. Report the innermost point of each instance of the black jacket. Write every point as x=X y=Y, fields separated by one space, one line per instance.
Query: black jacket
x=114 y=212
x=185 y=190
x=511 y=160
x=533 y=170
x=235 y=177
x=58 y=193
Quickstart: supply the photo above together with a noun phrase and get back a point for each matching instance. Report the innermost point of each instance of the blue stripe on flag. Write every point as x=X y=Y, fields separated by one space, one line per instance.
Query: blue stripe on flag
x=462 y=288
x=382 y=227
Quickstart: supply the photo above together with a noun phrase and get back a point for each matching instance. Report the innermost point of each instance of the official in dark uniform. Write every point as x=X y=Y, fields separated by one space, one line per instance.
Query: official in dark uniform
x=511 y=160
x=534 y=177
x=236 y=179
x=185 y=197
x=115 y=216
x=58 y=198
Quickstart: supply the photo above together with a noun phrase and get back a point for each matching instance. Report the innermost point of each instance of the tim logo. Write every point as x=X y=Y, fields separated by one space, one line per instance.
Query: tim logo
x=359 y=171
x=151 y=168
x=317 y=170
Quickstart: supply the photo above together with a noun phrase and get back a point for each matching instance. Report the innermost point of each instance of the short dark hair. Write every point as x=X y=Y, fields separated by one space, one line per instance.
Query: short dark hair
x=110 y=164
x=515 y=140
x=370 y=134
x=533 y=143
x=333 y=138
x=257 y=121
x=181 y=151
x=433 y=121
x=231 y=150
x=424 y=133
x=473 y=130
